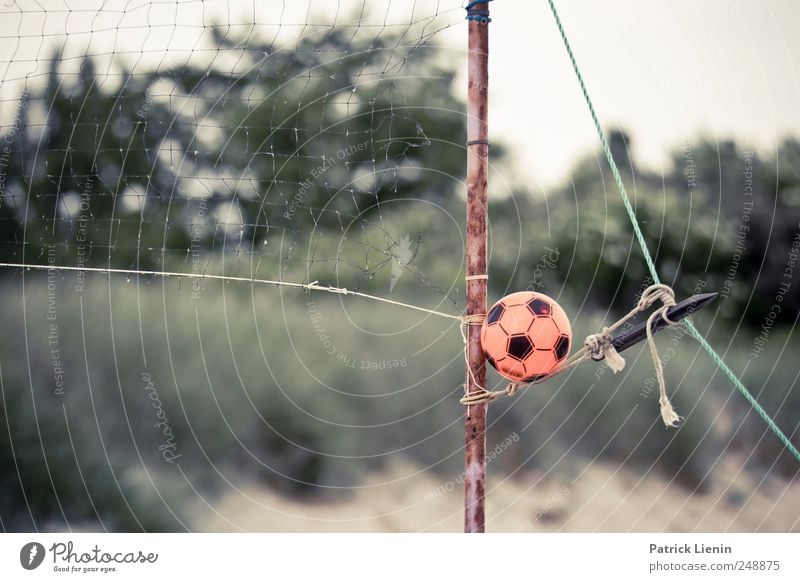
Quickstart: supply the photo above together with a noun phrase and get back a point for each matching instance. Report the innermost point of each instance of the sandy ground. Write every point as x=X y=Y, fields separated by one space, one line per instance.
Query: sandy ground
x=604 y=497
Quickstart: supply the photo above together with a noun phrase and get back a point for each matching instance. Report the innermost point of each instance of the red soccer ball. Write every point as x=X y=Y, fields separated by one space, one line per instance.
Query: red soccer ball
x=525 y=336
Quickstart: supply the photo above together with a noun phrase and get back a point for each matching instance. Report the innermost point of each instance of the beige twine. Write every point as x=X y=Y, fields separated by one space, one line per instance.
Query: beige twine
x=466 y=321
x=598 y=347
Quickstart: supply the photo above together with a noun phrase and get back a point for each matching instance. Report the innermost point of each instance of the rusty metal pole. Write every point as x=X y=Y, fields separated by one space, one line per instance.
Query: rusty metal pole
x=476 y=243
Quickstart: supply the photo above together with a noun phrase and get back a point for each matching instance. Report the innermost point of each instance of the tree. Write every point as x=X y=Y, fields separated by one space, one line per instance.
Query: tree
x=206 y=157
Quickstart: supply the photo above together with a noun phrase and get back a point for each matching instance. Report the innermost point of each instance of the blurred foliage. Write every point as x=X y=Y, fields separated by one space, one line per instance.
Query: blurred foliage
x=721 y=216
x=244 y=375
x=309 y=136
x=253 y=395
x=248 y=399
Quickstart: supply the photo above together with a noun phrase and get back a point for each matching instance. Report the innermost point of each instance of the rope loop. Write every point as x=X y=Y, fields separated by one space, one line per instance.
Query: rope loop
x=484 y=396
x=474 y=319
x=480 y=397
x=657 y=292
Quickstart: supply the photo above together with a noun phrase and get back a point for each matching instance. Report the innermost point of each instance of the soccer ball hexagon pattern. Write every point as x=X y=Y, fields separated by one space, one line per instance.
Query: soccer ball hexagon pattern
x=526 y=335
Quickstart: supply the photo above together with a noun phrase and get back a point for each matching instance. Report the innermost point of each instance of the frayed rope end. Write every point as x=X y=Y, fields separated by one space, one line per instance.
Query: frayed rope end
x=668 y=414
x=613 y=359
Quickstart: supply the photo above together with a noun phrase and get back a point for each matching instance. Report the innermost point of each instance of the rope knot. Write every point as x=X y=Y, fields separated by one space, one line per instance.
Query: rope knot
x=598 y=347
x=486 y=396
x=479 y=397
x=653 y=293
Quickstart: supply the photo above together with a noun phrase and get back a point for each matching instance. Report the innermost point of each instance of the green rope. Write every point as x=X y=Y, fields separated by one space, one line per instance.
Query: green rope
x=646 y=253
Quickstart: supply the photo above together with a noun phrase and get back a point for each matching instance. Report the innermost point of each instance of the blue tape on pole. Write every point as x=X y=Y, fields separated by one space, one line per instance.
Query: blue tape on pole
x=481 y=16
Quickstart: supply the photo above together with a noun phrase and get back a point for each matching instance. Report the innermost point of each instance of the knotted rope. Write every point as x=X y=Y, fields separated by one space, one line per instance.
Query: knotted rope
x=598 y=346
x=649 y=259
x=466 y=321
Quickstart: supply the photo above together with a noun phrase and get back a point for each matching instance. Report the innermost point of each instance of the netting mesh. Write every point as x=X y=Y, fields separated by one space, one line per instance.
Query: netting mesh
x=319 y=140
x=261 y=139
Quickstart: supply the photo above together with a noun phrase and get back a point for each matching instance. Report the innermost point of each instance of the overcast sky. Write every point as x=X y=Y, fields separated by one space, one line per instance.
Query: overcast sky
x=665 y=71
